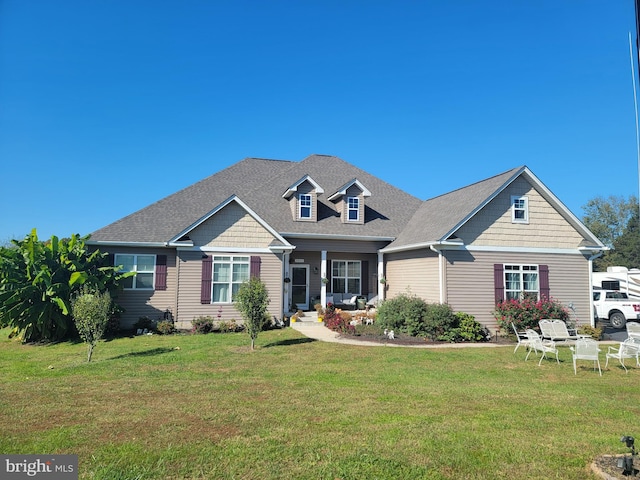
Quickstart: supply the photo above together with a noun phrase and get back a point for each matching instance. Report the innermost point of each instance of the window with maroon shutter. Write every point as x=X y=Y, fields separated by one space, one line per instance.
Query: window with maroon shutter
x=205 y=287
x=161 y=272
x=498 y=282
x=255 y=267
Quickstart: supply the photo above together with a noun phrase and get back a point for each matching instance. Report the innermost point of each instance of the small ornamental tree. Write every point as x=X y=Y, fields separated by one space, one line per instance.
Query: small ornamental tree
x=91 y=311
x=252 y=300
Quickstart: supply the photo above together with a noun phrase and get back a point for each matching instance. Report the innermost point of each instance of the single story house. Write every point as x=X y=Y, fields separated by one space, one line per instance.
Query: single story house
x=321 y=228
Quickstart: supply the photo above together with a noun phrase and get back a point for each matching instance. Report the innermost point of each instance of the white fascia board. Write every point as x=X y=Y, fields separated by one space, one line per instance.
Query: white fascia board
x=294 y=188
x=450 y=245
x=232 y=198
x=343 y=190
x=128 y=244
x=328 y=236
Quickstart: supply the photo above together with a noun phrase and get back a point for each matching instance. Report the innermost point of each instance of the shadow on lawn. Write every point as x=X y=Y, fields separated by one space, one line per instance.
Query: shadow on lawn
x=293 y=341
x=144 y=353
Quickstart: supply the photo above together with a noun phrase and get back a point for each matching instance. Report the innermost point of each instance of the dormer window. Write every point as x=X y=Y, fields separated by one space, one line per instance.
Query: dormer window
x=303 y=199
x=305 y=206
x=349 y=200
x=519 y=209
x=353 y=209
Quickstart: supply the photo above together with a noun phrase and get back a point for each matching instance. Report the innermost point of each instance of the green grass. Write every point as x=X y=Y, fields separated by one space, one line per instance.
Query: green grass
x=205 y=406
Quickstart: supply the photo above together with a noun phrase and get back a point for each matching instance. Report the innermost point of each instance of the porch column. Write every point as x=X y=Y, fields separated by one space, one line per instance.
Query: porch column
x=323 y=271
x=380 y=276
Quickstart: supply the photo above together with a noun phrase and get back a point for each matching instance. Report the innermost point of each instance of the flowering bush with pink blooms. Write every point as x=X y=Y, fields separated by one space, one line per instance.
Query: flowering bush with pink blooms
x=527 y=313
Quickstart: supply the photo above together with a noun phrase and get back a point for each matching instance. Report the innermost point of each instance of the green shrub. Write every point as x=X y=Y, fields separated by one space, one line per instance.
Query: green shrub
x=467 y=329
x=403 y=313
x=230 y=326
x=439 y=319
x=202 y=324
x=596 y=333
x=527 y=313
x=165 y=327
x=144 y=323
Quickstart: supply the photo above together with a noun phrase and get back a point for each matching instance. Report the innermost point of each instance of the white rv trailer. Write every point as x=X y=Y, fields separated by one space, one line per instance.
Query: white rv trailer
x=618 y=278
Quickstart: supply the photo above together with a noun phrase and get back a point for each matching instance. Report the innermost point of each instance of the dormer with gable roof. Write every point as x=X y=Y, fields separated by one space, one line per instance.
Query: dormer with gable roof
x=349 y=200
x=303 y=199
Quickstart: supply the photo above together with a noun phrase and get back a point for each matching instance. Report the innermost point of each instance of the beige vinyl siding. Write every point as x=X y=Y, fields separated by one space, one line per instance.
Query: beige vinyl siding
x=470 y=287
x=147 y=303
x=414 y=271
x=231 y=226
x=492 y=226
x=189 y=306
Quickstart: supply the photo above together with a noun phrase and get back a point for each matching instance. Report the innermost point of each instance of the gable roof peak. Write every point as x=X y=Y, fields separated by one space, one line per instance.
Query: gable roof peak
x=294 y=188
x=343 y=189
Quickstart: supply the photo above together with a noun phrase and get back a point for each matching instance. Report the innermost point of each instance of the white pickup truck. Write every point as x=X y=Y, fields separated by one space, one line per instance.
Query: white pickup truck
x=616 y=307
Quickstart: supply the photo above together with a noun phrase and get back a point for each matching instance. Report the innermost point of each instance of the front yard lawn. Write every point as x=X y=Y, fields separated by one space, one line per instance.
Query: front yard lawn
x=205 y=406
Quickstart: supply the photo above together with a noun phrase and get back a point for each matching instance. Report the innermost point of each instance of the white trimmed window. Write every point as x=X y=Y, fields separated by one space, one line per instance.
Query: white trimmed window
x=521 y=282
x=304 y=205
x=229 y=273
x=519 y=209
x=345 y=276
x=142 y=265
x=353 y=209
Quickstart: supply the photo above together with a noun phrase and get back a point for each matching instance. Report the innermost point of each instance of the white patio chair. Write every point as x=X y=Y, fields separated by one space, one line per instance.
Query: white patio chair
x=521 y=337
x=586 y=349
x=627 y=349
x=546 y=329
x=633 y=330
x=538 y=345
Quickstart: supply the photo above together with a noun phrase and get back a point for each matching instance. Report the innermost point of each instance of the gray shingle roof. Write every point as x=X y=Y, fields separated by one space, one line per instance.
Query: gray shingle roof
x=438 y=217
x=260 y=183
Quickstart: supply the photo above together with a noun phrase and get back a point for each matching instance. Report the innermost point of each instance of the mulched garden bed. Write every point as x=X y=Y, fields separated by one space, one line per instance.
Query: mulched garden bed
x=401 y=339
x=606 y=466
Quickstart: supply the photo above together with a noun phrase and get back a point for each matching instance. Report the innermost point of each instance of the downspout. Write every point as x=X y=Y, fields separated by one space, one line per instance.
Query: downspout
x=440 y=273
x=592 y=318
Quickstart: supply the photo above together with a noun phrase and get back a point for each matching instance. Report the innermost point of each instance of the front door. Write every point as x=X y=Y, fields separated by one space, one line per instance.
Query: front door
x=300 y=287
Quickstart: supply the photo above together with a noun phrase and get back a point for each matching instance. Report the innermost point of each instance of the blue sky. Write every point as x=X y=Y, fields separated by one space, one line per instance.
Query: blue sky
x=108 y=106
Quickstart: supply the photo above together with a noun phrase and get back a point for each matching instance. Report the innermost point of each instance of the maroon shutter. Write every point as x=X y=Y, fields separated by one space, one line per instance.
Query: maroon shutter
x=545 y=291
x=205 y=288
x=498 y=282
x=255 y=267
x=364 y=278
x=161 y=272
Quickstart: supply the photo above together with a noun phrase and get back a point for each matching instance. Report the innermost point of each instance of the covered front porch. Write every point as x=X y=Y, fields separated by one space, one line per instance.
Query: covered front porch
x=348 y=279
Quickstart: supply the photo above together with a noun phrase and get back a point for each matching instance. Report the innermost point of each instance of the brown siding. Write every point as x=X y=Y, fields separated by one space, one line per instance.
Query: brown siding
x=189 y=306
x=148 y=303
x=469 y=281
x=414 y=272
